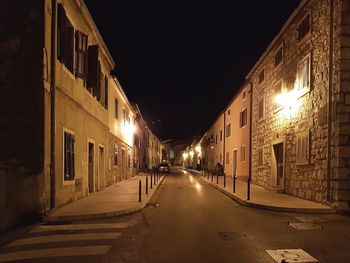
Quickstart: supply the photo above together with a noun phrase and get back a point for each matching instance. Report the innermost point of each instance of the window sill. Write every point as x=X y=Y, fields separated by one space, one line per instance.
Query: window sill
x=69 y=73
x=68 y=182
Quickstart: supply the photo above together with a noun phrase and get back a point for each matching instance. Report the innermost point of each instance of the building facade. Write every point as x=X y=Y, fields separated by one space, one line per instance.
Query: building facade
x=69 y=127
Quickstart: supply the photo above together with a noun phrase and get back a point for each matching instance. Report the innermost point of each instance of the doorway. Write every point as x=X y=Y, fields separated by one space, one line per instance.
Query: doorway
x=234 y=163
x=278 y=165
x=101 y=167
x=91 y=149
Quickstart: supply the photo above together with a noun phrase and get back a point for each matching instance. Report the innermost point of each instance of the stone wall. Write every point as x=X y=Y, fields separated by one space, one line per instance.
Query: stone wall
x=306 y=181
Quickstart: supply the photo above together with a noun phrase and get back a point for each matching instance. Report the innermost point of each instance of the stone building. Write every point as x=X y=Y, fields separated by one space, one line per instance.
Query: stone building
x=301 y=112
x=67 y=125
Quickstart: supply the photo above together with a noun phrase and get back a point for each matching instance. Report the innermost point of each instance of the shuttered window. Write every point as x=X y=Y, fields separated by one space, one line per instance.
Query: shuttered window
x=115 y=159
x=81 y=54
x=243 y=118
x=304 y=27
x=65 y=39
x=228 y=130
x=303 y=148
x=260 y=156
x=69 y=162
x=242 y=153
x=116 y=110
x=227 y=158
x=304 y=75
x=93 y=78
x=261 y=108
x=106 y=92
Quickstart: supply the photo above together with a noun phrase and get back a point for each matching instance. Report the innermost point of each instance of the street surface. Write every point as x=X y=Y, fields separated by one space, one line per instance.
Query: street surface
x=187 y=221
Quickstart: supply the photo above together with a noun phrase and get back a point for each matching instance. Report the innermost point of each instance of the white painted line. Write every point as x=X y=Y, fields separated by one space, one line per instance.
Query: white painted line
x=305 y=226
x=47 y=228
x=311 y=219
x=291 y=255
x=63 y=238
x=55 y=252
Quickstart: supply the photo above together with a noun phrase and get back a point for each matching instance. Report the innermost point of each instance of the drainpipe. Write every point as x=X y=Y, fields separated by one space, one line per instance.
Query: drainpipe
x=224 y=141
x=329 y=101
x=52 y=107
x=250 y=129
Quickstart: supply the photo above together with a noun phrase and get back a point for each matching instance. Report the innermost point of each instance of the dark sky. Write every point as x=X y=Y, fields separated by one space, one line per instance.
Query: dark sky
x=182 y=61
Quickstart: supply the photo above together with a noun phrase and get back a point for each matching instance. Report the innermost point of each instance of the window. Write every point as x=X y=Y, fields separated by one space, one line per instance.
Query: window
x=106 y=92
x=279 y=56
x=303 y=148
x=304 y=75
x=277 y=91
x=227 y=158
x=81 y=55
x=304 y=27
x=261 y=76
x=261 y=156
x=115 y=154
x=124 y=118
x=116 y=108
x=220 y=135
x=243 y=118
x=69 y=164
x=129 y=159
x=65 y=39
x=220 y=158
x=229 y=112
x=228 y=130
x=242 y=153
x=261 y=108
x=94 y=71
x=244 y=94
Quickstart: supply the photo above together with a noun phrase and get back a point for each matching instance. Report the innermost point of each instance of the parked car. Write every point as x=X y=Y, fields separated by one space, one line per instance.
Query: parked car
x=164 y=167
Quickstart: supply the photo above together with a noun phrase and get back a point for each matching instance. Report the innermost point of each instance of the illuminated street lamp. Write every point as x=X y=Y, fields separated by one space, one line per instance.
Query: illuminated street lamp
x=185 y=156
x=191 y=153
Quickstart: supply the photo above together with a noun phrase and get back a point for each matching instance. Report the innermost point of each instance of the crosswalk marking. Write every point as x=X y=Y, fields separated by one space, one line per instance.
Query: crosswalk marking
x=55 y=252
x=47 y=228
x=63 y=238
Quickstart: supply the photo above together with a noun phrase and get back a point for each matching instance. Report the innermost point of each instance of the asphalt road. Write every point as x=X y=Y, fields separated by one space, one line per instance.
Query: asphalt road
x=187 y=221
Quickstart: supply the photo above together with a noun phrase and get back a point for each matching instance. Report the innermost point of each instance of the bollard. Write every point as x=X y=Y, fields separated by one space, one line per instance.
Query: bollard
x=140 y=191
x=151 y=180
x=212 y=177
x=217 y=178
x=154 y=177
x=248 y=190
x=147 y=185
x=234 y=184
x=224 y=180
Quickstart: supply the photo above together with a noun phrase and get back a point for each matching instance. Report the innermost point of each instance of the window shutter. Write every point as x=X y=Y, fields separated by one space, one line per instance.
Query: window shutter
x=240 y=119
x=93 y=76
x=106 y=92
x=97 y=90
x=61 y=13
x=81 y=54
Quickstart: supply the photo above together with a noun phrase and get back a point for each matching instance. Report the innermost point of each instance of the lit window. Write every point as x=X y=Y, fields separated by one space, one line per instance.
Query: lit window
x=261 y=108
x=303 y=148
x=304 y=76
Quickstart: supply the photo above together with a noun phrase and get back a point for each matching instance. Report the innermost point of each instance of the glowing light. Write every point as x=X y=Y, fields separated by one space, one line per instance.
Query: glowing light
x=185 y=156
x=198 y=149
x=191 y=153
x=198 y=186
x=289 y=102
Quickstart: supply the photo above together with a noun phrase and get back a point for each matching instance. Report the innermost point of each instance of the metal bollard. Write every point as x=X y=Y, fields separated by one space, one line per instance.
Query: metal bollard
x=217 y=178
x=151 y=180
x=248 y=190
x=154 y=177
x=147 y=185
x=140 y=184
x=234 y=184
x=212 y=176
x=224 y=180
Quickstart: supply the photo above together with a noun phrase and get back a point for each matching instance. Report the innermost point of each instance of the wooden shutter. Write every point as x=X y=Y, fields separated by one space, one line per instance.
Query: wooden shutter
x=61 y=14
x=81 y=41
x=93 y=75
x=106 y=92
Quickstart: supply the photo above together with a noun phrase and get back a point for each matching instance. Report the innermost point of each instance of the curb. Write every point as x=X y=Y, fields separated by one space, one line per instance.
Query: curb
x=142 y=205
x=267 y=207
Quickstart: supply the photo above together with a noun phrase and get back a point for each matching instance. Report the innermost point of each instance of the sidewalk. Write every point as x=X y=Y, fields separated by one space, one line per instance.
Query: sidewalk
x=263 y=198
x=118 y=199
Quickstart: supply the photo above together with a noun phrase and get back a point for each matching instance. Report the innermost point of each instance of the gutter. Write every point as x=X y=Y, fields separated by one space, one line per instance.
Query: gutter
x=52 y=104
x=329 y=100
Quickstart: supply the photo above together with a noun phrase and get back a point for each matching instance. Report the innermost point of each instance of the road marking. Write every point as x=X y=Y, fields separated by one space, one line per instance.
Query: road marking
x=305 y=226
x=63 y=238
x=47 y=228
x=291 y=255
x=55 y=252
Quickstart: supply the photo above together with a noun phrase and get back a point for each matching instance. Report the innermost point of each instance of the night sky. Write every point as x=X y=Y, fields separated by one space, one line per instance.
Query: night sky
x=182 y=61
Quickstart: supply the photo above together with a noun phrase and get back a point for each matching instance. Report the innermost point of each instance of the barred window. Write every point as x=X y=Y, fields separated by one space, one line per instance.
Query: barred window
x=69 y=162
